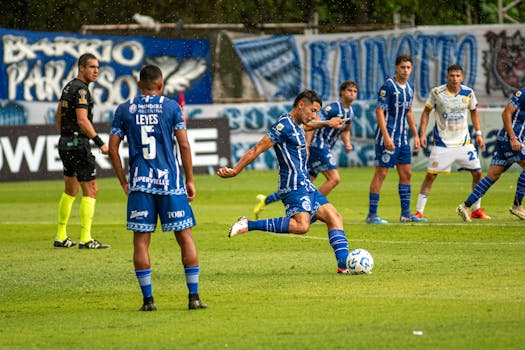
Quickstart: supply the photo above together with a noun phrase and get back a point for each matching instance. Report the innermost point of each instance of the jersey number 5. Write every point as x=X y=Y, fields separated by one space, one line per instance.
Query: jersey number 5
x=149 y=146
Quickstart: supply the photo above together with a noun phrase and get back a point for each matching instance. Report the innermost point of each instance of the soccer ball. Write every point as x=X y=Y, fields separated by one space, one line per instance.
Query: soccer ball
x=360 y=261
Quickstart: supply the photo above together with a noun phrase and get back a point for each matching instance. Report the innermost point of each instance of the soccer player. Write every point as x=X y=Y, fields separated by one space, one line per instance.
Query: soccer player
x=74 y=121
x=321 y=142
x=303 y=202
x=510 y=149
x=452 y=144
x=394 y=117
x=157 y=186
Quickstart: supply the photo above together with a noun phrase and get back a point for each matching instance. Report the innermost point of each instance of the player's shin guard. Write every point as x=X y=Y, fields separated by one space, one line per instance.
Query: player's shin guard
x=404 y=197
x=144 y=279
x=64 y=211
x=339 y=244
x=192 y=278
x=87 y=210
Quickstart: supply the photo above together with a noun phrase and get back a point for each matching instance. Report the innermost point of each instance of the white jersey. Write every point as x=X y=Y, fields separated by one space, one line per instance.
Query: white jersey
x=451 y=114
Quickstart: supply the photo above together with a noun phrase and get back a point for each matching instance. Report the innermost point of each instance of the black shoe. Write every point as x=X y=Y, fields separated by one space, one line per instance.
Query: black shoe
x=66 y=243
x=93 y=244
x=195 y=303
x=148 y=305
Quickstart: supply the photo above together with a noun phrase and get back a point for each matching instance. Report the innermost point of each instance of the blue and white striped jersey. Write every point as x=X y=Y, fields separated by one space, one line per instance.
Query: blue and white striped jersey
x=149 y=124
x=327 y=137
x=518 y=118
x=396 y=101
x=290 y=148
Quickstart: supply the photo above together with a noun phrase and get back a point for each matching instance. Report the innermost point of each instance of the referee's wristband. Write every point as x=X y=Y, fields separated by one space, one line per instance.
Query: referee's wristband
x=98 y=141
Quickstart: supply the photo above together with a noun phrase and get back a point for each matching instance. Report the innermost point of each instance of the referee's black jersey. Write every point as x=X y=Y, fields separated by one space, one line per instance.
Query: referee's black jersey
x=74 y=95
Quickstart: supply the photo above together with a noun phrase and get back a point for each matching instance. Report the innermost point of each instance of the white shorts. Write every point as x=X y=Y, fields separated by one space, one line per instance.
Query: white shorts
x=442 y=158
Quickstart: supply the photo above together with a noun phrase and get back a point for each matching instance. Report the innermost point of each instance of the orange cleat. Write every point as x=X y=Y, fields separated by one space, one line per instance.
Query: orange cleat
x=479 y=214
x=419 y=215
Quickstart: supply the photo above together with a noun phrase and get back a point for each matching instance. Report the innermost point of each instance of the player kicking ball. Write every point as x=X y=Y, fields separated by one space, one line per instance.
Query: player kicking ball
x=303 y=202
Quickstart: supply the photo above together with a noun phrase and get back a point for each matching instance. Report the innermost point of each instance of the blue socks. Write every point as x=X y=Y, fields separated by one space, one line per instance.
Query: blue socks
x=520 y=189
x=479 y=190
x=373 y=203
x=339 y=244
x=404 y=197
x=277 y=225
x=192 y=278
x=144 y=278
x=274 y=197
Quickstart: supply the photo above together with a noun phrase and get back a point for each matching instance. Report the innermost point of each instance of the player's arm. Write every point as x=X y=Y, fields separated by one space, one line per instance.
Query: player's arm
x=186 y=160
x=264 y=144
x=345 y=137
x=335 y=122
x=381 y=124
x=413 y=129
x=474 y=117
x=89 y=130
x=58 y=117
x=507 y=124
x=423 y=123
x=116 y=161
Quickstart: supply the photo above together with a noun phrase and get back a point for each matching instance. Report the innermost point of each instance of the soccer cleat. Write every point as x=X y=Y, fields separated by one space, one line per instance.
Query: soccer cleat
x=411 y=218
x=92 y=244
x=518 y=211
x=66 y=243
x=195 y=303
x=260 y=206
x=148 y=305
x=376 y=220
x=463 y=211
x=419 y=215
x=344 y=271
x=479 y=214
x=240 y=227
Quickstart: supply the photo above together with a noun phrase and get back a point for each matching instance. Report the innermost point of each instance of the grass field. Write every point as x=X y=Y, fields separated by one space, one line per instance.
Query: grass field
x=441 y=285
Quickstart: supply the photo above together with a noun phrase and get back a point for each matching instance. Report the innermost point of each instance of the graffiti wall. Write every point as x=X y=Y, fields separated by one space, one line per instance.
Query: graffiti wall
x=35 y=66
x=493 y=58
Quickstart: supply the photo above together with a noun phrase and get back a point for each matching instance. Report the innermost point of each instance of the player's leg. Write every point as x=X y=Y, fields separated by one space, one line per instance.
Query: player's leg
x=424 y=192
x=328 y=214
x=190 y=261
x=404 y=170
x=477 y=211
x=142 y=264
x=71 y=187
x=263 y=201
x=332 y=179
x=374 y=194
x=480 y=189
x=517 y=208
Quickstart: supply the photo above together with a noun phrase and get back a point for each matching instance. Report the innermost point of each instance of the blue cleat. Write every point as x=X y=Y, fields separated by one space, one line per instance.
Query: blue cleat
x=412 y=218
x=376 y=220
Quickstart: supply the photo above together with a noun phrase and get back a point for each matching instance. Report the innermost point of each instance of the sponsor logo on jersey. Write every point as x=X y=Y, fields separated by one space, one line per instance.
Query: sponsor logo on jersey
x=382 y=93
x=518 y=93
x=132 y=108
x=328 y=108
x=279 y=127
x=306 y=203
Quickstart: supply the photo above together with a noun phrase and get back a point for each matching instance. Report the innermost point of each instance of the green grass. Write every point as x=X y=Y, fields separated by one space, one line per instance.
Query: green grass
x=461 y=284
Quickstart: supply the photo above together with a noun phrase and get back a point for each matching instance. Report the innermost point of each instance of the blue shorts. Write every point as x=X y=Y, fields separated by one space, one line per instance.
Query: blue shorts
x=302 y=201
x=505 y=156
x=389 y=159
x=174 y=211
x=320 y=160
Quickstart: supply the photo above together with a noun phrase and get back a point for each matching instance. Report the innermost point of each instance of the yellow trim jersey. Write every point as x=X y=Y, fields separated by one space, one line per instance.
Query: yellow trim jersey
x=451 y=113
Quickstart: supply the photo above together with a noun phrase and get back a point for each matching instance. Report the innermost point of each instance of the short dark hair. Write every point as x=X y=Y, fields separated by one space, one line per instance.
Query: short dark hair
x=454 y=67
x=84 y=58
x=150 y=73
x=345 y=84
x=310 y=95
x=403 y=58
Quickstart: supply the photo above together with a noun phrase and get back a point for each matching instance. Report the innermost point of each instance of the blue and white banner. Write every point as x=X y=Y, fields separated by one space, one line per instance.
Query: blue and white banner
x=492 y=56
x=35 y=66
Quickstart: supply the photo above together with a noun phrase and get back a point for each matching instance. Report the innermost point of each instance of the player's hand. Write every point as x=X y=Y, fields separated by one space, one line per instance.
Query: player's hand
x=417 y=144
x=423 y=141
x=389 y=144
x=480 y=142
x=190 y=190
x=337 y=123
x=226 y=172
x=348 y=148
x=515 y=144
x=104 y=149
